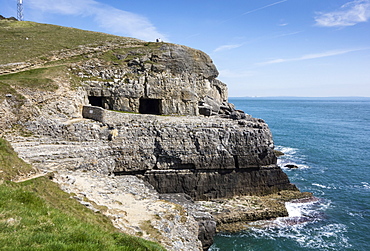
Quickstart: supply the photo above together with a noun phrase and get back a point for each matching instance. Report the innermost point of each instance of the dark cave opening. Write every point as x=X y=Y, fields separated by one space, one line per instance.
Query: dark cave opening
x=150 y=106
x=96 y=101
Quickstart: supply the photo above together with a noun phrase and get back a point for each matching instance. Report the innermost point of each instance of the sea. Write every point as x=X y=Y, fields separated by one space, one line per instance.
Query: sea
x=328 y=139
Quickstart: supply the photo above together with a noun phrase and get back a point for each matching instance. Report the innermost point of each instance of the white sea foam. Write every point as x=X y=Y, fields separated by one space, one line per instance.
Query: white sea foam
x=319 y=185
x=291 y=156
x=320 y=234
x=213 y=248
x=286 y=150
x=365 y=185
x=294 y=209
x=324 y=237
x=329 y=186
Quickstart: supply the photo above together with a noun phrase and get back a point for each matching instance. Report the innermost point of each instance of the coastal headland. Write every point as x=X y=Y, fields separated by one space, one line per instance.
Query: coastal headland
x=141 y=132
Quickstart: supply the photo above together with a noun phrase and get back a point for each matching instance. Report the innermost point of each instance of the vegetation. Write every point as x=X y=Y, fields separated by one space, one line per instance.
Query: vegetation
x=7 y=89
x=38 y=79
x=37 y=215
x=22 y=41
x=31 y=42
x=10 y=165
x=149 y=229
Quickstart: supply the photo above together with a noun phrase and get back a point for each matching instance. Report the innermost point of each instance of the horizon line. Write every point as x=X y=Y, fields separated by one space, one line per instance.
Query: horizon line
x=299 y=97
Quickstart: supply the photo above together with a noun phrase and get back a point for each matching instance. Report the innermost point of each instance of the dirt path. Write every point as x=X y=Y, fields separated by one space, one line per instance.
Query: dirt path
x=33 y=176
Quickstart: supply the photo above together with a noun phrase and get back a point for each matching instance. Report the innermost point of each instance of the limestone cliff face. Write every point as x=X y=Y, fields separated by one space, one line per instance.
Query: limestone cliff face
x=204 y=157
x=222 y=154
x=155 y=78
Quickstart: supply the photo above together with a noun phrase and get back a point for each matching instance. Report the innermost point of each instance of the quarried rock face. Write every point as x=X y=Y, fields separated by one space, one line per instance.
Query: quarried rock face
x=203 y=157
x=157 y=78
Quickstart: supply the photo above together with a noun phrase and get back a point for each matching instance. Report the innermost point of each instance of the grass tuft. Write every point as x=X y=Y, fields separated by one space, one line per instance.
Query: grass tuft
x=10 y=165
x=36 y=79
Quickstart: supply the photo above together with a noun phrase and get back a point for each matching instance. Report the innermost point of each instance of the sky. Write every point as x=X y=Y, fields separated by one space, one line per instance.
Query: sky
x=307 y=48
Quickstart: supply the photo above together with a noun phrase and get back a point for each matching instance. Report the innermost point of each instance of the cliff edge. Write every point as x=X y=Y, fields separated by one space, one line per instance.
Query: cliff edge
x=118 y=106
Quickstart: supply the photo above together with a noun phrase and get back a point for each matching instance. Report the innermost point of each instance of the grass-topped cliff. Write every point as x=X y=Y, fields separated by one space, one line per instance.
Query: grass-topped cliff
x=36 y=214
x=36 y=58
x=34 y=55
x=26 y=45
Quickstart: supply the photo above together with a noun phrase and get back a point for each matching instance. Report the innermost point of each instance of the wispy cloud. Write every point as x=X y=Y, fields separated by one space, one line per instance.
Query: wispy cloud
x=350 y=14
x=283 y=24
x=311 y=56
x=287 y=34
x=227 y=47
x=264 y=7
x=254 y=10
x=111 y=19
x=227 y=73
x=267 y=37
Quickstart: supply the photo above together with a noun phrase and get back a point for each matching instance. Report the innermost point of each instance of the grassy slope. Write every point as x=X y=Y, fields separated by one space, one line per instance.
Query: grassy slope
x=36 y=214
x=10 y=164
x=22 y=41
x=35 y=42
x=27 y=41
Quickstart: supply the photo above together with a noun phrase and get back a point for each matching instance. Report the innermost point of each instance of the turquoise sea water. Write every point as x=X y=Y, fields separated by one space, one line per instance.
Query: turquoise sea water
x=329 y=139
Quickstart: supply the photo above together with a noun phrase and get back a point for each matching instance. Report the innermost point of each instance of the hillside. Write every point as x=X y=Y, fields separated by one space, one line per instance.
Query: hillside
x=36 y=214
x=39 y=90
x=25 y=41
x=35 y=62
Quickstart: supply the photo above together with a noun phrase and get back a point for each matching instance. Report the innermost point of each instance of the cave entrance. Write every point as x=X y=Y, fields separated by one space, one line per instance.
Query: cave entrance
x=96 y=101
x=150 y=106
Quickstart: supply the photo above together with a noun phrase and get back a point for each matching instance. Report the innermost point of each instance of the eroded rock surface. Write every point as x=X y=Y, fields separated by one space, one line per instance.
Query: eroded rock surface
x=134 y=207
x=203 y=157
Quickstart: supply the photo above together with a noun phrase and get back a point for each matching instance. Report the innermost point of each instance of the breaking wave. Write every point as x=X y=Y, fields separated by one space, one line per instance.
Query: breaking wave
x=292 y=157
x=306 y=226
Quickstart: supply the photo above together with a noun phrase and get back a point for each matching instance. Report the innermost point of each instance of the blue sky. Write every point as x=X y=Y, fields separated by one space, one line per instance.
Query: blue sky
x=261 y=48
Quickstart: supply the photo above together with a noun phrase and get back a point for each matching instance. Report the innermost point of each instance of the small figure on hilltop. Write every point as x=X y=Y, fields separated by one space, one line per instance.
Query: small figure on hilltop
x=10 y=18
x=158 y=40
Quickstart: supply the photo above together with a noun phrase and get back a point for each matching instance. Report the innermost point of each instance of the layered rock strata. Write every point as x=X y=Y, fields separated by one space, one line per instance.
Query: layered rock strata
x=205 y=158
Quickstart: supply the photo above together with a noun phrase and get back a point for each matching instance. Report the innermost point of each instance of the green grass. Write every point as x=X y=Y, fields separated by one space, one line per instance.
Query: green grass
x=37 y=215
x=23 y=41
x=36 y=79
x=41 y=79
x=7 y=89
x=34 y=42
x=10 y=165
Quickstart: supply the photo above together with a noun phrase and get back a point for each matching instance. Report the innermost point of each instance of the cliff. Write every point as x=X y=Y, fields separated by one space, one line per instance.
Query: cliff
x=151 y=110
